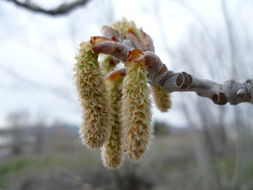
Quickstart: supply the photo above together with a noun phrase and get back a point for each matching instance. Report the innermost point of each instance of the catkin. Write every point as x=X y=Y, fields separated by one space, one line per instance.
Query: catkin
x=136 y=112
x=111 y=152
x=108 y=63
x=124 y=25
x=91 y=88
x=161 y=98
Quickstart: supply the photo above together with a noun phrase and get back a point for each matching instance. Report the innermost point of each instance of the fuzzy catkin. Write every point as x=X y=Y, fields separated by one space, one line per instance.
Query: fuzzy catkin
x=93 y=98
x=111 y=152
x=124 y=25
x=107 y=63
x=161 y=98
x=136 y=112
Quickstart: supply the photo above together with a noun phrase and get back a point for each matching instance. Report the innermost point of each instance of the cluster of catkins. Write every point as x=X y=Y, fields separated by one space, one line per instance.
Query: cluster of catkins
x=116 y=102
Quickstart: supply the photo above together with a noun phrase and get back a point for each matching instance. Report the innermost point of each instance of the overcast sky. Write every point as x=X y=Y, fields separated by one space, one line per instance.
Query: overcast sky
x=37 y=51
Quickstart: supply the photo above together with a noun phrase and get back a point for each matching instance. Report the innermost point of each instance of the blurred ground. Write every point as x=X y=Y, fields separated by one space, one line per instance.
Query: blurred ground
x=61 y=162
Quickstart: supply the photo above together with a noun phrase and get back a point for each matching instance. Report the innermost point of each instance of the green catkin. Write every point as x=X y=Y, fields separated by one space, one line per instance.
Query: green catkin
x=107 y=63
x=136 y=112
x=124 y=25
x=136 y=107
x=111 y=152
x=162 y=98
x=91 y=88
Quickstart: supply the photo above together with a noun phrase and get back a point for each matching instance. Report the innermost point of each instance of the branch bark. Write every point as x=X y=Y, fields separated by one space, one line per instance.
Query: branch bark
x=60 y=10
x=230 y=91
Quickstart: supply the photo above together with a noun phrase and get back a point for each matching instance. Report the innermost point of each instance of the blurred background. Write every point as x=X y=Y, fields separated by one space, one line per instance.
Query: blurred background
x=197 y=145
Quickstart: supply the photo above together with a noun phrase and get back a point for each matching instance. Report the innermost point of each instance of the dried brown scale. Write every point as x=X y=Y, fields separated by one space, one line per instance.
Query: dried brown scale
x=133 y=56
x=116 y=74
x=99 y=39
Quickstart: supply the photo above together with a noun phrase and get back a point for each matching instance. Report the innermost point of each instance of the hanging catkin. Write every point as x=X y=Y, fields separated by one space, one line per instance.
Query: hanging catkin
x=111 y=152
x=136 y=112
x=93 y=98
x=161 y=98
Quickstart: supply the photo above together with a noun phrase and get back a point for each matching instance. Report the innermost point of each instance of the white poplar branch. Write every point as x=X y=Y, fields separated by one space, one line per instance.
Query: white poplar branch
x=230 y=91
x=113 y=44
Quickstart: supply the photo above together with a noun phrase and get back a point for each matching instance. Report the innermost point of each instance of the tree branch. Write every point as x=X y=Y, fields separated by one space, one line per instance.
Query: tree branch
x=60 y=10
x=230 y=91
